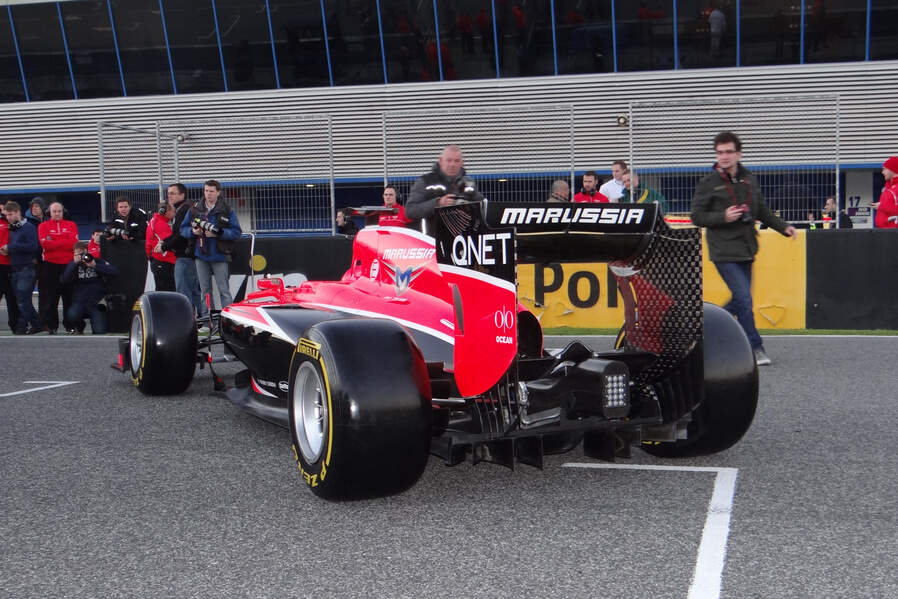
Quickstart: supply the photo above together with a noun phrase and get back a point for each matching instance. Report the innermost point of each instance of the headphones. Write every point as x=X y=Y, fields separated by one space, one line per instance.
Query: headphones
x=18 y=224
x=163 y=208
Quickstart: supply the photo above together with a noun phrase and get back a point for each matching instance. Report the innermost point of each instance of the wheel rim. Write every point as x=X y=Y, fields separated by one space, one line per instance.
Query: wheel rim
x=136 y=344
x=310 y=417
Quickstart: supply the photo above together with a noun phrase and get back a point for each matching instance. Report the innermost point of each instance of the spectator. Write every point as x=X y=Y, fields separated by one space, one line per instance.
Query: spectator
x=641 y=194
x=37 y=211
x=717 y=25
x=887 y=206
x=186 y=282
x=345 y=224
x=832 y=216
x=57 y=237
x=6 y=289
x=87 y=276
x=588 y=193
x=129 y=224
x=93 y=246
x=727 y=202
x=561 y=192
x=23 y=250
x=440 y=187
x=613 y=188
x=212 y=229
x=162 y=261
x=392 y=220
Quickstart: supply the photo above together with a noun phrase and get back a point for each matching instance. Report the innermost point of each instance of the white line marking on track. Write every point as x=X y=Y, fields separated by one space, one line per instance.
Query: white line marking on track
x=47 y=385
x=712 y=550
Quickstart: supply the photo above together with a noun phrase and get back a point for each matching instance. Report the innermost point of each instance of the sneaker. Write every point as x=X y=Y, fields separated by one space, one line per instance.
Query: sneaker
x=30 y=330
x=761 y=357
x=203 y=330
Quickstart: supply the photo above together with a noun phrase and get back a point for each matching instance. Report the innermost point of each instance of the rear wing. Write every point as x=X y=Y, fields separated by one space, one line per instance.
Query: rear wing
x=658 y=272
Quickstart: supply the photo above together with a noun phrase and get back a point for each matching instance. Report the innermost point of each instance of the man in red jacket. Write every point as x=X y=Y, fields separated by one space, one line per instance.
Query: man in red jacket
x=589 y=194
x=392 y=220
x=887 y=207
x=162 y=262
x=6 y=290
x=57 y=237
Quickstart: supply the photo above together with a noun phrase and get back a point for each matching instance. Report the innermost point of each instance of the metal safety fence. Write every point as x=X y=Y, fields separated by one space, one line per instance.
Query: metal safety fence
x=276 y=173
x=791 y=143
x=413 y=140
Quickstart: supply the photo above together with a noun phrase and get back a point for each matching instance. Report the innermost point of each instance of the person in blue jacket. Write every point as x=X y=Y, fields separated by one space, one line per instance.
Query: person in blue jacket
x=23 y=250
x=212 y=229
x=88 y=276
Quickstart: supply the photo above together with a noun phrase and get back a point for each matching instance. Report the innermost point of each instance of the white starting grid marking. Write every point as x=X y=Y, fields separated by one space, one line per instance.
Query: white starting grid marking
x=712 y=550
x=46 y=385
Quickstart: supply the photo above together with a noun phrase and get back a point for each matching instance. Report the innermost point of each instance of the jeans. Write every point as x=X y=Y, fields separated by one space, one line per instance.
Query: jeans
x=79 y=309
x=737 y=276
x=204 y=272
x=186 y=283
x=23 y=286
x=12 y=304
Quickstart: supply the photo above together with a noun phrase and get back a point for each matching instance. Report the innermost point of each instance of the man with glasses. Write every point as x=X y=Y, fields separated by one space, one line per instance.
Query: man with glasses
x=728 y=202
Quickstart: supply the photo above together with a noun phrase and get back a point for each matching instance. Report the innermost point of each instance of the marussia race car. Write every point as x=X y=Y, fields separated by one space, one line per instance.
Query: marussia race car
x=422 y=348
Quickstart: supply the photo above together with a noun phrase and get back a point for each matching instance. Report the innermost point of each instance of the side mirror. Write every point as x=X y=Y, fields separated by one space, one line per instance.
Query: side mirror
x=274 y=284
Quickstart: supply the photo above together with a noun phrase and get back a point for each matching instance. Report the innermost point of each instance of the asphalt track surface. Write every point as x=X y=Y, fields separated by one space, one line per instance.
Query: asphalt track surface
x=107 y=493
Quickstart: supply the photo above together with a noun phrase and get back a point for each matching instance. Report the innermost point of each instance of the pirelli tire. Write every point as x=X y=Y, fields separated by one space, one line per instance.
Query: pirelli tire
x=731 y=391
x=359 y=408
x=162 y=344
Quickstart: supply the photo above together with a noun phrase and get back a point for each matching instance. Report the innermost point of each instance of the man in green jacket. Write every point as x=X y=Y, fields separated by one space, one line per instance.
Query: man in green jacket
x=641 y=194
x=728 y=202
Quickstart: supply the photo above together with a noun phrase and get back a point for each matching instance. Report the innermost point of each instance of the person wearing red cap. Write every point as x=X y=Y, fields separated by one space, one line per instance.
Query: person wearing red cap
x=887 y=207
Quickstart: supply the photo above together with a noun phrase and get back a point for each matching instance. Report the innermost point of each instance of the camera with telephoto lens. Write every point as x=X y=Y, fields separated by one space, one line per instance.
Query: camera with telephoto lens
x=116 y=230
x=86 y=258
x=198 y=223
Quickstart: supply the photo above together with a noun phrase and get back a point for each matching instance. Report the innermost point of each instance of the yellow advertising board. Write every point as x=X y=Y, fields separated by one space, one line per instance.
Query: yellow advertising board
x=586 y=296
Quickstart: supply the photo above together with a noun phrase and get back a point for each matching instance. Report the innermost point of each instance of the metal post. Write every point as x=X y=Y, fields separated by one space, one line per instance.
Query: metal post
x=177 y=148
x=630 y=129
x=573 y=175
x=383 y=119
x=159 y=160
x=330 y=147
x=838 y=160
x=102 y=173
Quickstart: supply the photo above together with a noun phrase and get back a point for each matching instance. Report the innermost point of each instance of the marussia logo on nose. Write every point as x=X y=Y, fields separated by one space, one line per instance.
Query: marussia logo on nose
x=586 y=216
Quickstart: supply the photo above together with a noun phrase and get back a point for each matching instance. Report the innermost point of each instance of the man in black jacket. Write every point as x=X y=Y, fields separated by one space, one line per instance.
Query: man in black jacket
x=728 y=202
x=439 y=188
x=186 y=282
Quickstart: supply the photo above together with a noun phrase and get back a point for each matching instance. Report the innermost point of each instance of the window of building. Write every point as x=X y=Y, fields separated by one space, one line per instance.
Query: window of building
x=410 y=42
x=193 y=39
x=246 y=44
x=354 y=40
x=142 y=47
x=299 y=41
x=771 y=32
x=644 y=35
x=11 y=89
x=583 y=36
x=835 y=30
x=466 y=31
x=43 y=52
x=525 y=38
x=706 y=33
x=883 y=30
x=91 y=49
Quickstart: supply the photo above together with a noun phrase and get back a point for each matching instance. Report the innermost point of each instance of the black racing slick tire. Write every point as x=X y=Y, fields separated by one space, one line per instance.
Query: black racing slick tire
x=359 y=409
x=731 y=391
x=163 y=343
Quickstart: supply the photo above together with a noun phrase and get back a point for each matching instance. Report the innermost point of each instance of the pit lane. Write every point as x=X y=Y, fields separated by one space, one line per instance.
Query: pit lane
x=109 y=493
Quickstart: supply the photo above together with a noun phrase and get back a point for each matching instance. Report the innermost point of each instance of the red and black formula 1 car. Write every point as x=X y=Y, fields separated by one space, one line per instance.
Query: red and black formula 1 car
x=423 y=348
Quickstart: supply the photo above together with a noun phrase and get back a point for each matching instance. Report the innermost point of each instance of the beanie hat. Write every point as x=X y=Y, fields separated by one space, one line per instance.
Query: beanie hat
x=892 y=164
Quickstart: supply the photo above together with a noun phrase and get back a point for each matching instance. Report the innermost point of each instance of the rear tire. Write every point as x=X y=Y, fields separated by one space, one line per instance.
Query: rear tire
x=360 y=411
x=162 y=344
x=731 y=391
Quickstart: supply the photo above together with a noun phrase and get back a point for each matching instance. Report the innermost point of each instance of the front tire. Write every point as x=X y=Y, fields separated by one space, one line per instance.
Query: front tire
x=359 y=409
x=731 y=391
x=163 y=343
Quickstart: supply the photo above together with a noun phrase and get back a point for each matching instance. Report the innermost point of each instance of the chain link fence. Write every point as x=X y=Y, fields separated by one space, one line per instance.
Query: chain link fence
x=797 y=163
x=413 y=140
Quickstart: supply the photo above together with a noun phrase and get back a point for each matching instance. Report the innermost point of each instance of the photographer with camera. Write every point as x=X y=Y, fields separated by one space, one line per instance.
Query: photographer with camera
x=162 y=261
x=728 y=202
x=211 y=229
x=130 y=224
x=440 y=187
x=87 y=276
